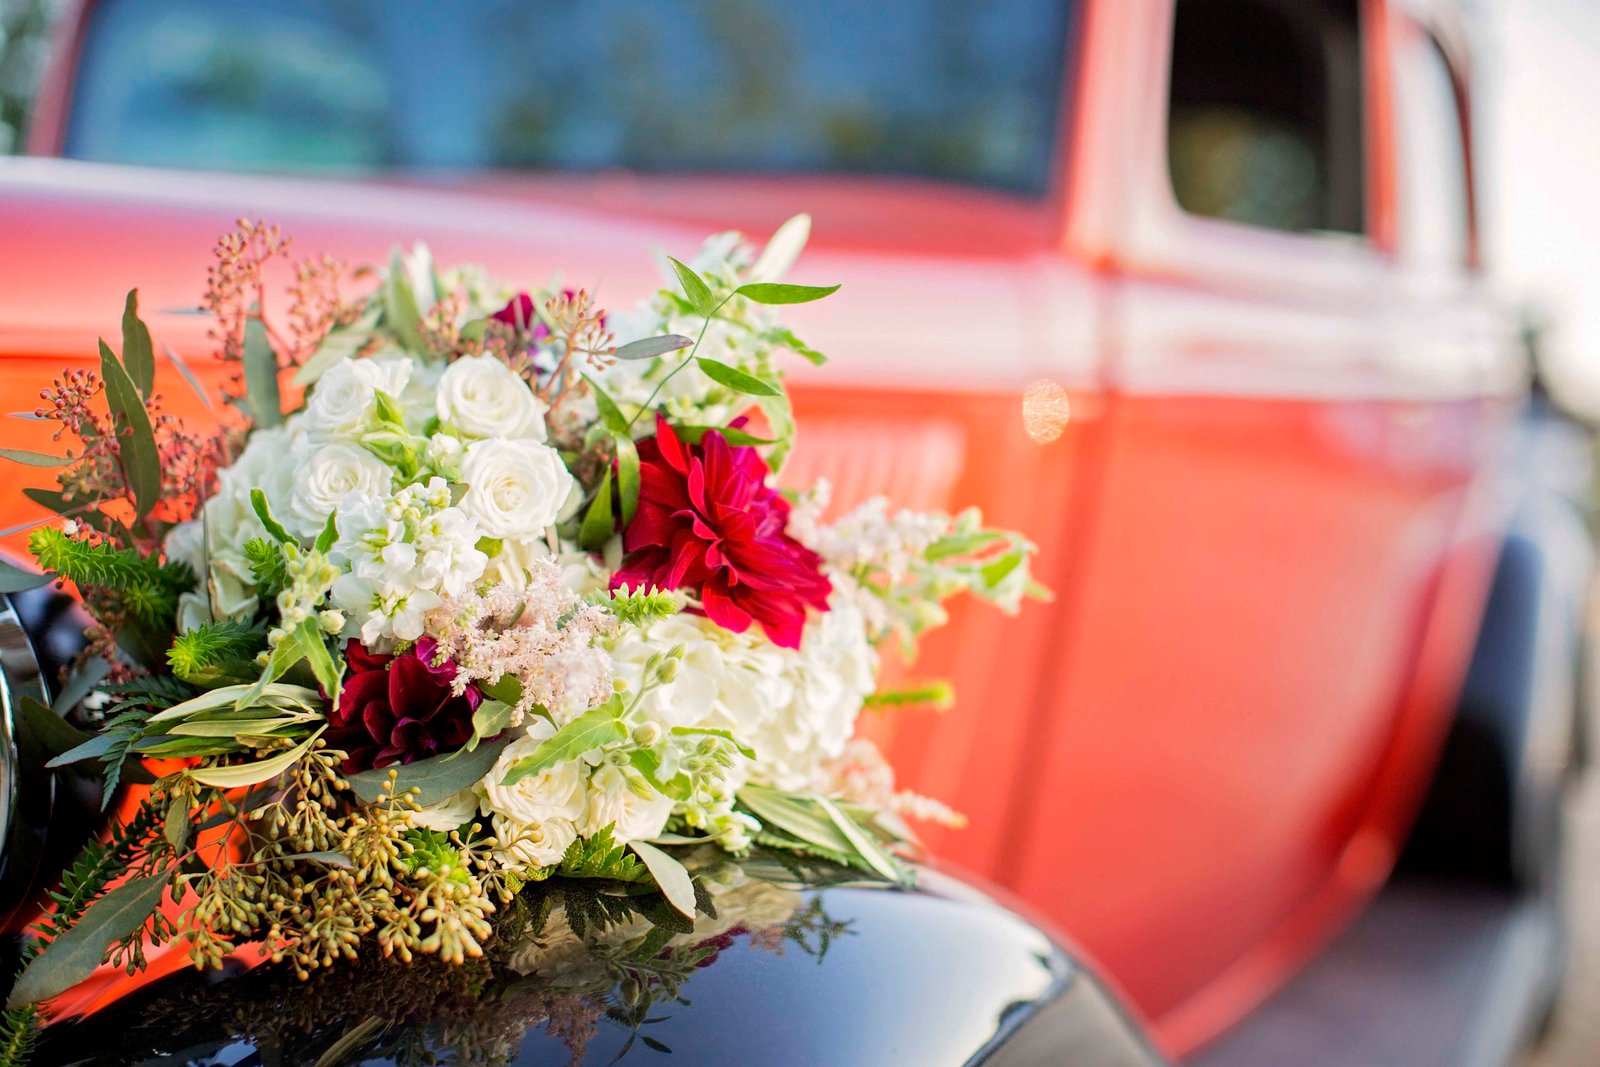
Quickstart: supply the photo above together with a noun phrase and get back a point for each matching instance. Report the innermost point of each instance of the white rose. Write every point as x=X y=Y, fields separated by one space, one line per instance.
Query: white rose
x=510 y=565
x=514 y=488
x=328 y=475
x=633 y=809
x=344 y=397
x=555 y=793
x=448 y=814
x=532 y=844
x=482 y=397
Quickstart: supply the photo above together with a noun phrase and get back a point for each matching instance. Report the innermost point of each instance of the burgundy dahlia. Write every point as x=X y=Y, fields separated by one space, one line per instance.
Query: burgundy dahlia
x=708 y=522
x=398 y=709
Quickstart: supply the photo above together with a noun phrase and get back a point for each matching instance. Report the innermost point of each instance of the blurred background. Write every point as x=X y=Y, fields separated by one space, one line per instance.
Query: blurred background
x=160 y=84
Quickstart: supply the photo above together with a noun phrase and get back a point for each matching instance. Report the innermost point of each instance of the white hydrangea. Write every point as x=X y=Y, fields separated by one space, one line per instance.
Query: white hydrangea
x=796 y=708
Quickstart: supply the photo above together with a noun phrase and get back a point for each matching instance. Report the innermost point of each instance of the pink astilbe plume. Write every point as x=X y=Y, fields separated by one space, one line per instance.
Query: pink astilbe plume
x=542 y=634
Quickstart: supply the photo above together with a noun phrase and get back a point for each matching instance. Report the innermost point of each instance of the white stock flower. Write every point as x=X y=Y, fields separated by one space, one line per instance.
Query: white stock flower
x=554 y=793
x=630 y=806
x=325 y=477
x=345 y=396
x=448 y=814
x=514 y=488
x=403 y=551
x=481 y=397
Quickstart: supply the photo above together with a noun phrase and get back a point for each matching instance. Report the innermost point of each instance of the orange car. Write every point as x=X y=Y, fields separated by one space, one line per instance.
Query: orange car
x=1281 y=466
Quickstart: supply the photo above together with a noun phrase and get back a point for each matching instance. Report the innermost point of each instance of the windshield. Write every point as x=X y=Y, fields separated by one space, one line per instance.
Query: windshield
x=941 y=89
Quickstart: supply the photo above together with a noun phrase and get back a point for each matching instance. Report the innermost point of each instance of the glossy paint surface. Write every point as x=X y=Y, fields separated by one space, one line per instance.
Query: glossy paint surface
x=1268 y=523
x=979 y=978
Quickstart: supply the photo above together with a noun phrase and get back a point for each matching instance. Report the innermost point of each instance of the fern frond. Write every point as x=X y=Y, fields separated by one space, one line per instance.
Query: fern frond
x=599 y=856
x=214 y=645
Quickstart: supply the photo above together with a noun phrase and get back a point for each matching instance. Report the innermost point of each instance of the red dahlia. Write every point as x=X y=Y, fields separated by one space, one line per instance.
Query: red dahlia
x=398 y=709
x=708 y=522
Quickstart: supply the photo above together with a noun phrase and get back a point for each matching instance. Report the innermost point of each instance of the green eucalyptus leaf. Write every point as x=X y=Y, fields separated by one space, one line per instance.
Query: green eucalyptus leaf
x=695 y=434
x=261 y=376
x=669 y=875
x=737 y=380
x=14 y=579
x=34 y=459
x=651 y=347
x=401 y=312
x=783 y=293
x=694 y=287
x=252 y=773
x=138 y=354
x=596 y=727
x=610 y=414
x=80 y=685
x=784 y=337
x=435 y=779
x=627 y=475
x=74 y=955
x=599 y=523
x=140 y=459
x=341 y=343
x=42 y=735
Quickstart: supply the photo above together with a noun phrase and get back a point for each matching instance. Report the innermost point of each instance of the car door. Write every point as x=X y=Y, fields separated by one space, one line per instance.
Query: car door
x=1287 y=540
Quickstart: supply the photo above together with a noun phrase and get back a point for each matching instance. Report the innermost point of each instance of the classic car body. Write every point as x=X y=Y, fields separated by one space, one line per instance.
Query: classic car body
x=1271 y=518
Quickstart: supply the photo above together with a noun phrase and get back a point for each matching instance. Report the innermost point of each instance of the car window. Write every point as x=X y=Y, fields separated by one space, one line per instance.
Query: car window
x=1431 y=158
x=929 y=88
x=1264 y=119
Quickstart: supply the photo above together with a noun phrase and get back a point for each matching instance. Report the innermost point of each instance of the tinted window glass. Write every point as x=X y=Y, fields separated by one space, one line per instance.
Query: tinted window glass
x=933 y=88
x=1264 y=123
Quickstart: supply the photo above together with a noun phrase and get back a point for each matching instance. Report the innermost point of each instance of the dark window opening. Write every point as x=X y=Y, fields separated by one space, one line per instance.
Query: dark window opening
x=1265 y=113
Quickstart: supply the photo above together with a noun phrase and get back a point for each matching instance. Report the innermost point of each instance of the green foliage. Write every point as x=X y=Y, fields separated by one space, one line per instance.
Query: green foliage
x=138 y=354
x=936 y=694
x=695 y=288
x=599 y=856
x=810 y=824
x=260 y=375
x=146 y=587
x=737 y=380
x=267 y=566
x=640 y=607
x=778 y=293
x=434 y=779
x=141 y=460
x=600 y=521
x=599 y=726
x=208 y=652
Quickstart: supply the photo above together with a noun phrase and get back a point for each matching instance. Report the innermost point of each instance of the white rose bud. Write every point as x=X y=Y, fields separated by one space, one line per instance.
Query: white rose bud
x=614 y=801
x=532 y=844
x=482 y=397
x=449 y=813
x=555 y=793
x=514 y=488
x=327 y=476
x=343 y=399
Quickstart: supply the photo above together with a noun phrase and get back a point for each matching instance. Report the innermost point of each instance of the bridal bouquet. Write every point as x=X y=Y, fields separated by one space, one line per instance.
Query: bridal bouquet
x=472 y=588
